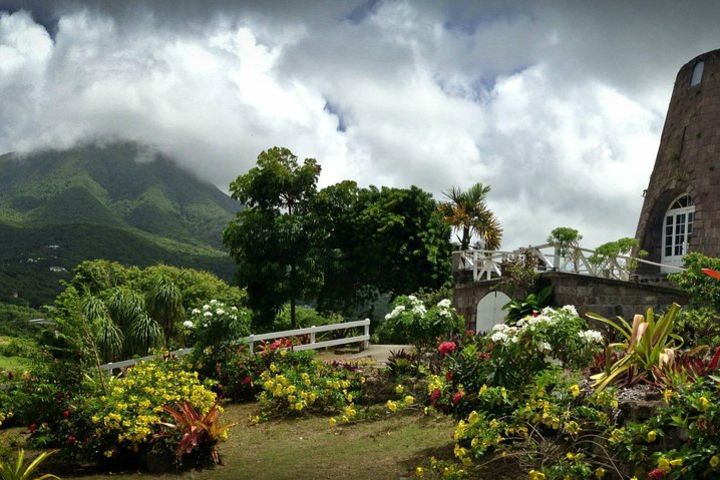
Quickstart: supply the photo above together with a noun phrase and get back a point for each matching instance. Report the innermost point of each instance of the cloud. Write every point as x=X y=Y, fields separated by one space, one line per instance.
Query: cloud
x=558 y=106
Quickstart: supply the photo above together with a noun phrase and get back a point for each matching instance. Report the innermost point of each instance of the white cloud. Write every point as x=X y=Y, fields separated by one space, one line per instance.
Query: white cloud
x=559 y=109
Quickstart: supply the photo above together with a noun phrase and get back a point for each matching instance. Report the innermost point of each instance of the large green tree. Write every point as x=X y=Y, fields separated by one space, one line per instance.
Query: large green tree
x=275 y=238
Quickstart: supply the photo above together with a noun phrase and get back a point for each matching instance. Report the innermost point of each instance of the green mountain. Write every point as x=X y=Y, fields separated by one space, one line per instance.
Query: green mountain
x=58 y=208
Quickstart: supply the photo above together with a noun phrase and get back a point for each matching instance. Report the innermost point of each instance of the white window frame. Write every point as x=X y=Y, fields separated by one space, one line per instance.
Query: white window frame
x=683 y=219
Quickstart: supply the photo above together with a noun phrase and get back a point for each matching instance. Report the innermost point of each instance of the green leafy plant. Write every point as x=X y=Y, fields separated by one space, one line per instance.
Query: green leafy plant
x=412 y=321
x=704 y=290
x=19 y=471
x=533 y=303
x=649 y=344
x=610 y=251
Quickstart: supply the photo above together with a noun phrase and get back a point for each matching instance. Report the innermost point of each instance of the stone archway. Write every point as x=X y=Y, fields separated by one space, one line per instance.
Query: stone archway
x=489 y=311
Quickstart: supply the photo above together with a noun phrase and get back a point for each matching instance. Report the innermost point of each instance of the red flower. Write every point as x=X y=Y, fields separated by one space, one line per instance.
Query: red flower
x=446 y=348
x=484 y=355
x=656 y=474
x=32 y=427
x=435 y=395
x=457 y=397
x=449 y=375
x=247 y=380
x=66 y=414
x=71 y=440
x=535 y=313
x=470 y=333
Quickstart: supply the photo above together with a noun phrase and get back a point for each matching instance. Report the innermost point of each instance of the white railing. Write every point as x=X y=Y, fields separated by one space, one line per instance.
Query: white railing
x=252 y=339
x=487 y=264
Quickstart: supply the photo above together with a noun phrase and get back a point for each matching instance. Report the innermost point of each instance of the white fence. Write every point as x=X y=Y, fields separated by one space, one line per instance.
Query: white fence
x=252 y=339
x=486 y=264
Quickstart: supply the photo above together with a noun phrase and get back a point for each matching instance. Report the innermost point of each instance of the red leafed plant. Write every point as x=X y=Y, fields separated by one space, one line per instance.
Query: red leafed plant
x=689 y=366
x=198 y=430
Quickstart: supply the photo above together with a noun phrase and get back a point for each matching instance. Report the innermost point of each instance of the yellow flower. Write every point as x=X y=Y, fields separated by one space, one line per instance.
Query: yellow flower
x=714 y=461
x=419 y=472
x=535 y=475
x=409 y=399
x=663 y=463
x=399 y=389
x=570 y=456
x=704 y=402
x=333 y=422
x=392 y=406
x=667 y=395
x=483 y=390
x=599 y=472
x=574 y=390
x=651 y=436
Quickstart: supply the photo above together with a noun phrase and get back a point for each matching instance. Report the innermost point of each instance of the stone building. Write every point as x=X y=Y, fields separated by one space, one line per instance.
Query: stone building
x=681 y=211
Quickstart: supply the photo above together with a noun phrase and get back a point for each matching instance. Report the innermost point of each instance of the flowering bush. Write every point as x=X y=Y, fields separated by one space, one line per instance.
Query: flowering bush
x=216 y=324
x=412 y=321
x=295 y=383
x=116 y=426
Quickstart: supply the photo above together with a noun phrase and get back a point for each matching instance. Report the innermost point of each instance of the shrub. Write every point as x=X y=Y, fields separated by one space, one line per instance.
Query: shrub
x=198 y=433
x=17 y=470
x=699 y=326
x=507 y=356
x=703 y=289
x=412 y=321
x=294 y=384
x=216 y=324
x=115 y=427
x=532 y=304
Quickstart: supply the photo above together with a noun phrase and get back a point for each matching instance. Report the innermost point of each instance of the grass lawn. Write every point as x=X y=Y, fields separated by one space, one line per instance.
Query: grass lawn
x=307 y=448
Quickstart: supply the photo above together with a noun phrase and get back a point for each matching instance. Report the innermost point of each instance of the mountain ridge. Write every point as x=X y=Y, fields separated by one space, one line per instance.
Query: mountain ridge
x=106 y=195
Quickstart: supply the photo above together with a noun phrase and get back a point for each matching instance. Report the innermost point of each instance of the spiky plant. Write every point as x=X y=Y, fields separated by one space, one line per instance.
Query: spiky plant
x=124 y=306
x=19 y=471
x=165 y=305
x=143 y=334
x=108 y=337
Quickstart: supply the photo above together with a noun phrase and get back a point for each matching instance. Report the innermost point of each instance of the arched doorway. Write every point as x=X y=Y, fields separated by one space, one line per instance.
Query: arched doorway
x=489 y=311
x=677 y=229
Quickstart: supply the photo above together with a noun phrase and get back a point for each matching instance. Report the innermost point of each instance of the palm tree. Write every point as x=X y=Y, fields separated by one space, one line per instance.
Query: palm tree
x=468 y=212
x=165 y=305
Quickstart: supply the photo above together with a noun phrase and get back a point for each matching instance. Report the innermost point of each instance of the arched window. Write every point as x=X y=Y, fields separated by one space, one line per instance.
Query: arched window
x=697 y=74
x=677 y=229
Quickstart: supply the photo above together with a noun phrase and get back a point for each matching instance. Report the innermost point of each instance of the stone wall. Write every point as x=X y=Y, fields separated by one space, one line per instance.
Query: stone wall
x=606 y=297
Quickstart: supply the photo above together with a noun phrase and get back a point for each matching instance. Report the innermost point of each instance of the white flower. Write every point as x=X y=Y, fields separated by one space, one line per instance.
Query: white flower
x=591 y=336
x=553 y=361
x=547 y=311
x=206 y=307
x=208 y=314
x=544 y=346
x=395 y=312
x=234 y=309
x=419 y=310
x=412 y=298
x=499 y=337
x=444 y=303
x=220 y=311
x=188 y=324
x=499 y=327
x=213 y=302
x=195 y=311
x=570 y=309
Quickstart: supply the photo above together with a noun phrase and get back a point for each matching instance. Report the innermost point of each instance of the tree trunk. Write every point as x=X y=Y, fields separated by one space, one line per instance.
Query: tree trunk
x=465 y=241
x=293 y=318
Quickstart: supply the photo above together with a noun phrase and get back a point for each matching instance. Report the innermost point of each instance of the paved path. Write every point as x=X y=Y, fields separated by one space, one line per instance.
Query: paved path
x=378 y=353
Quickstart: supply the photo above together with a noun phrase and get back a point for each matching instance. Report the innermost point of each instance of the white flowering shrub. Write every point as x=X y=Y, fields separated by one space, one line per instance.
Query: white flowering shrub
x=411 y=321
x=217 y=324
x=507 y=356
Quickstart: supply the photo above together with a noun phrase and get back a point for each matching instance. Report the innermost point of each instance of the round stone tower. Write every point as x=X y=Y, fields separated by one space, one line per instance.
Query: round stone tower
x=681 y=211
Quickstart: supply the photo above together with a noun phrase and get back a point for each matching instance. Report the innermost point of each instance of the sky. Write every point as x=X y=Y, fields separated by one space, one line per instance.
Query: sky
x=558 y=106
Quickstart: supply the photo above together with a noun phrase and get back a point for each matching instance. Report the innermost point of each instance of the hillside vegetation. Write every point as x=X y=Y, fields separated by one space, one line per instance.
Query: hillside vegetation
x=58 y=208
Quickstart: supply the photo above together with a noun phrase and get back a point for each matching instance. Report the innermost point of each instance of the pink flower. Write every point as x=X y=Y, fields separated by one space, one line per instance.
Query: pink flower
x=446 y=348
x=449 y=376
x=457 y=397
x=435 y=395
x=656 y=473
